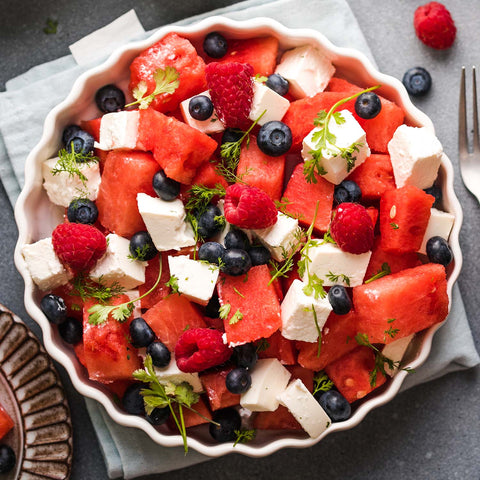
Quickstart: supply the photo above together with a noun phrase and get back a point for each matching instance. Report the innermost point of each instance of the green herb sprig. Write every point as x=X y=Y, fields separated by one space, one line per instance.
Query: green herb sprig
x=72 y=162
x=385 y=270
x=244 y=436
x=85 y=288
x=321 y=383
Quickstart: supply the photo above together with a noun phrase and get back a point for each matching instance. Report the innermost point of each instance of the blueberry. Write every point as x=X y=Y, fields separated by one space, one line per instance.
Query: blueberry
x=68 y=133
x=71 y=330
x=438 y=251
x=212 y=252
x=200 y=107
x=110 y=98
x=339 y=300
x=142 y=247
x=159 y=416
x=141 y=334
x=229 y=420
x=213 y=307
x=238 y=380
x=278 y=83
x=245 y=356
x=259 y=255
x=215 y=45
x=132 y=399
x=54 y=308
x=82 y=142
x=237 y=239
x=417 y=81
x=82 y=210
x=236 y=262
x=368 y=105
x=166 y=188
x=7 y=458
x=274 y=138
x=160 y=354
x=335 y=405
x=231 y=135
x=210 y=222
x=436 y=192
x=347 y=191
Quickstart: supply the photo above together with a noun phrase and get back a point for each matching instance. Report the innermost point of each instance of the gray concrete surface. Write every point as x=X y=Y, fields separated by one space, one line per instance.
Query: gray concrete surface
x=429 y=432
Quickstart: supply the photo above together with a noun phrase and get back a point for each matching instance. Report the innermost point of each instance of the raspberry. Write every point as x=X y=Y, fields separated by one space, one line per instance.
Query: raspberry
x=249 y=207
x=231 y=90
x=77 y=245
x=434 y=25
x=352 y=228
x=200 y=348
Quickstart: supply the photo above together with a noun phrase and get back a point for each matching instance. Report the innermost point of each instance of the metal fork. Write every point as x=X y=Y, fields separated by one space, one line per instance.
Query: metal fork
x=469 y=158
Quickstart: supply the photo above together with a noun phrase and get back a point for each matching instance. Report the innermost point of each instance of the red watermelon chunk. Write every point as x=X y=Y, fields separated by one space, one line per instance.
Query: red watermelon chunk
x=277 y=346
x=257 y=302
x=338 y=338
x=79 y=350
x=92 y=127
x=374 y=177
x=151 y=275
x=302 y=197
x=125 y=174
x=109 y=356
x=218 y=395
x=192 y=418
x=6 y=422
x=404 y=216
x=259 y=170
x=406 y=302
x=171 y=316
x=208 y=176
x=351 y=374
x=261 y=53
x=173 y=51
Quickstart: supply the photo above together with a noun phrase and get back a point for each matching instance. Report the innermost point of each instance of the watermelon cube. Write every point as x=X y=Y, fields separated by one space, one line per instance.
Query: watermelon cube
x=279 y=347
x=403 y=303
x=218 y=395
x=151 y=275
x=6 y=422
x=92 y=127
x=199 y=415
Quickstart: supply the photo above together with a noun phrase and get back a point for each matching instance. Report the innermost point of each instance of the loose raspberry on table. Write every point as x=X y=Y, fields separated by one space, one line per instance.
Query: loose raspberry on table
x=352 y=228
x=249 y=207
x=200 y=348
x=434 y=25
x=78 y=246
x=231 y=90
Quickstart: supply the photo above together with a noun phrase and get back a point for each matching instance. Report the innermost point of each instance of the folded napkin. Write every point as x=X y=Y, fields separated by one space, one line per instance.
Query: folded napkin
x=129 y=452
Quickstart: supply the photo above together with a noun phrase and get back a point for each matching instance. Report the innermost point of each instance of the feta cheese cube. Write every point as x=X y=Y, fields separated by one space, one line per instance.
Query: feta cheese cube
x=196 y=280
x=173 y=374
x=348 y=133
x=165 y=222
x=439 y=225
x=265 y=98
x=44 y=266
x=306 y=410
x=115 y=266
x=208 y=126
x=269 y=379
x=307 y=69
x=416 y=154
x=280 y=239
x=298 y=322
x=395 y=352
x=63 y=187
x=119 y=130
x=336 y=267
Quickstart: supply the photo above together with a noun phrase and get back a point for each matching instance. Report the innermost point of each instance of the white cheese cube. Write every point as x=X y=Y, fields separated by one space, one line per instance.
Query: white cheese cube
x=173 y=374
x=439 y=225
x=196 y=280
x=208 y=126
x=63 y=187
x=119 y=130
x=416 y=154
x=115 y=266
x=265 y=98
x=395 y=352
x=347 y=134
x=336 y=267
x=165 y=222
x=306 y=410
x=280 y=239
x=44 y=266
x=298 y=322
x=269 y=379
x=307 y=69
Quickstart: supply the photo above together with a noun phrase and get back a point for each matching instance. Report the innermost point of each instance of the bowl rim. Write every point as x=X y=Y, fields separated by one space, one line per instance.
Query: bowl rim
x=87 y=388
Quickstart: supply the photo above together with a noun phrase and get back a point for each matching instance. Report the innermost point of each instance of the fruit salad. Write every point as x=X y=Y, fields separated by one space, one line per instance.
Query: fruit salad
x=250 y=241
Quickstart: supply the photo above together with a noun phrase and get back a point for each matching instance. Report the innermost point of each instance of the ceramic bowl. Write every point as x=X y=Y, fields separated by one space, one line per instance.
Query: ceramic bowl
x=36 y=217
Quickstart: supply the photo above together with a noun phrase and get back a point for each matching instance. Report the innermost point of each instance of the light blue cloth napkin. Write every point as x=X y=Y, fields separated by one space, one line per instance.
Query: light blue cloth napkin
x=130 y=453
